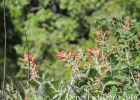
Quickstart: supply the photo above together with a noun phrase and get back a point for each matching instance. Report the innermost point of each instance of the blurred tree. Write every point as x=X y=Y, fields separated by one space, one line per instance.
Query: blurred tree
x=13 y=38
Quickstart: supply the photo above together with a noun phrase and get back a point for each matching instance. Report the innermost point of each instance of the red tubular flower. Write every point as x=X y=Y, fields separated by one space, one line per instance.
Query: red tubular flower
x=97 y=79
x=104 y=73
x=138 y=41
x=30 y=57
x=111 y=53
x=25 y=55
x=32 y=60
x=68 y=52
x=97 y=40
x=24 y=61
x=35 y=66
x=94 y=52
x=75 y=55
x=105 y=32
x=59 y=54
x=110 y=40
x=90 y=51
x=32 y=72
x=126 y=25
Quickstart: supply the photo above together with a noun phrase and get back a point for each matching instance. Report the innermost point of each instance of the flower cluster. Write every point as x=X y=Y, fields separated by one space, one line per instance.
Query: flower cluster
x=102 y=38
x=94 y=57
x=29 y=61
x=126 y=25
x=68 y=57
x=63 y=55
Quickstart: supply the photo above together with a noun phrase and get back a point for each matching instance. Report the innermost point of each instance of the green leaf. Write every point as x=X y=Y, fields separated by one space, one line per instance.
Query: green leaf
x=82 y=78
x=93 y=93
x=132 y=90
x=120 y=59
x=124 y=66
x=106 y=79
x=36 y=79
x=119 y=77
x=109 y=83
x=63 y=96
x=137 y=67
x=113 y=91
x=81 y=81
x=133 y=20
x=56 y=83
x=122 y=97
x=45 y=89
x=115 y=73
x=91 y=72
x=137 y=60
x=118 y=66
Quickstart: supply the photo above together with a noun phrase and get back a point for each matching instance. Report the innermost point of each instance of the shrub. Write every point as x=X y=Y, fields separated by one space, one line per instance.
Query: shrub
x=111 y=69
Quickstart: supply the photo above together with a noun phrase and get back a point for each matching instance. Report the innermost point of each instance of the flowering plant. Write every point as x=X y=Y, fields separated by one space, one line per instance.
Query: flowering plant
x=110 y=68
x=29 y=61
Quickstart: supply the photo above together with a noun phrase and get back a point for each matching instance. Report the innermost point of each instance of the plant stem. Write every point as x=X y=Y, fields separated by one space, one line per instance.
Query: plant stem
x=70 y=87
x=28 y=58
x=4 y=67
x=128 y=63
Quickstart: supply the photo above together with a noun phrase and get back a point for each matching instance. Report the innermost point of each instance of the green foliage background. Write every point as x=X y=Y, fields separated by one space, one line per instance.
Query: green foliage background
x=53 y=25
